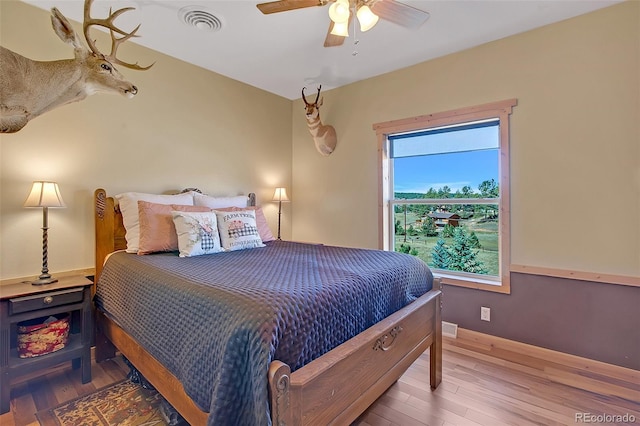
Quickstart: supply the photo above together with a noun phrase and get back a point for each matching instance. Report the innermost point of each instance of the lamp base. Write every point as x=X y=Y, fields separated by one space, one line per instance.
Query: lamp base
x=44 y=279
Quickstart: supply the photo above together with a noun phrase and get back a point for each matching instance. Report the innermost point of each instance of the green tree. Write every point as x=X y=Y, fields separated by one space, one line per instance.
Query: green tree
x=489 y=189
x=399 y=228
x=444 y=192
x=413 y=252
x=420 y=209
x=462 y=256
x=465 y=192
x=473 y=240
x=440 y=255
x=429 y=228
x=447 y=231
x=404 y=248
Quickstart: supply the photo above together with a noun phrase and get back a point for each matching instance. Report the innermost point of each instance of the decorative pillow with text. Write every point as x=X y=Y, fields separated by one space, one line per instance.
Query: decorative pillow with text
x=261 y=221
x=238 y=230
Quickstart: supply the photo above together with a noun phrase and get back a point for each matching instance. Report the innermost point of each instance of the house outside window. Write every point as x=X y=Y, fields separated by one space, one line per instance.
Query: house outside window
x=444 y=192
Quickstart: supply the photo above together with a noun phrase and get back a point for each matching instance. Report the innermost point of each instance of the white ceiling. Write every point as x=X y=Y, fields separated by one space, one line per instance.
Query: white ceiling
x=283 y=52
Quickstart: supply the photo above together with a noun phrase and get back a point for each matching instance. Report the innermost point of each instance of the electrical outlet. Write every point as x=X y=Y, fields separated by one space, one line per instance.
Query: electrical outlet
x=485 y=313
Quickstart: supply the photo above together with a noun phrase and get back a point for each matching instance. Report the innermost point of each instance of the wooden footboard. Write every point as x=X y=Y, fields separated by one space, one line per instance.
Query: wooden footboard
x=333 y=389
x=339 y=386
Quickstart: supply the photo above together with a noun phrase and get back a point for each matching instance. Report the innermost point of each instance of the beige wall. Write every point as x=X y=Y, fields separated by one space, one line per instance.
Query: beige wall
x=575 y=141
x=186 y=128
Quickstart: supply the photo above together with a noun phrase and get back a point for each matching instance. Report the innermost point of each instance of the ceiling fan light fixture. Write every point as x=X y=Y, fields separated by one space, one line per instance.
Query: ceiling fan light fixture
x=340 y=29
x=367 y=18
x=339 y=11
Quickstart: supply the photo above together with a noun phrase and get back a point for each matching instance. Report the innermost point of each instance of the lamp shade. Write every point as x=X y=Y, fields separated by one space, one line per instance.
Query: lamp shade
x=339 y=11
x=44 y=194
x=340 y=29
x=366 y=18
x=280 y=194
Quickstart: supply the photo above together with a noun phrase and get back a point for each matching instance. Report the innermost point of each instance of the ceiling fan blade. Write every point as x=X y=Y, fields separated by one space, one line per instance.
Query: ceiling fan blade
x=285 y=5
x=400 y=13
x=333 y=40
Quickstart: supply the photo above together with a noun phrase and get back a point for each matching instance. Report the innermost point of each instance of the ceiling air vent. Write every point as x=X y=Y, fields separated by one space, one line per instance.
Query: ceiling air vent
x=195 y=17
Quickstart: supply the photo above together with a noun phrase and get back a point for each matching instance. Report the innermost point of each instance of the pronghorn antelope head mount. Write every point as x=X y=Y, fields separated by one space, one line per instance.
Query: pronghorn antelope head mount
x=30 y=88
x=324 y=136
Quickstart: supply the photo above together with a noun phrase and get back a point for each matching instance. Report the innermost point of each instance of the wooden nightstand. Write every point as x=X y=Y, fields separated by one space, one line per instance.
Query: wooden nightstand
x=21 y=302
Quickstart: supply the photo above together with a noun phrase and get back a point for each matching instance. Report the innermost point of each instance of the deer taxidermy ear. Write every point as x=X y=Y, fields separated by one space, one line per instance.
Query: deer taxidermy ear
x=64 y=30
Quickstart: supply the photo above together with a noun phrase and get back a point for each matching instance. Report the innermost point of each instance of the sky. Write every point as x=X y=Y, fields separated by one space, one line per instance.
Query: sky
x=418 y=174
x=453 y=156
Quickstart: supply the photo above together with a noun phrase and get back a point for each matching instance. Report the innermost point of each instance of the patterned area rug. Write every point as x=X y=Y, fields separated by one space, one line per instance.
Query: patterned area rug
x=124 y=403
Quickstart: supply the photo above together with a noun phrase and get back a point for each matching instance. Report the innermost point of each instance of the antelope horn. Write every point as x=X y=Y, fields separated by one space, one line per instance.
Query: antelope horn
x=318 y=97
x=303 y=97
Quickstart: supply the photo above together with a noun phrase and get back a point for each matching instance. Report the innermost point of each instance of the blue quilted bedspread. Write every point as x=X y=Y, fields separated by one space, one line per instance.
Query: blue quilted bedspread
x=217 y=321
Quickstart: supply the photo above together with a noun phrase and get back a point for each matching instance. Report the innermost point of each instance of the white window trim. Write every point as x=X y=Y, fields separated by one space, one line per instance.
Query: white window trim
x=500 y=110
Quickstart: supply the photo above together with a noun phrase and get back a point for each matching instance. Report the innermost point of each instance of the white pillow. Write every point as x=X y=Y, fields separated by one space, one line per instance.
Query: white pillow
x=197 y=233
x=238 y=230
x=219 y=202
x=128 y=202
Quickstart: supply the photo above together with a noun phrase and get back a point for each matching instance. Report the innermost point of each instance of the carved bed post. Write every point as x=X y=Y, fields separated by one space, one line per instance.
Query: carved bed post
x=279 y=386
x=103 y=227
x=105 y=244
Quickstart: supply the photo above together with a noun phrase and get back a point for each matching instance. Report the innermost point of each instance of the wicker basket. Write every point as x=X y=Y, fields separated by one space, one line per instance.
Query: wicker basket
x=41 y=336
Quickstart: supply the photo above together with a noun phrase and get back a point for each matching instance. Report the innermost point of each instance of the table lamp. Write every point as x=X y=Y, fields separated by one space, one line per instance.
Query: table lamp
x=44 y=194
x=280 y=195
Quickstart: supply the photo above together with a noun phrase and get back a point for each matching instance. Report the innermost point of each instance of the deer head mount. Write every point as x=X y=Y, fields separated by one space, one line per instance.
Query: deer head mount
x=30 y=88
x=324 y=136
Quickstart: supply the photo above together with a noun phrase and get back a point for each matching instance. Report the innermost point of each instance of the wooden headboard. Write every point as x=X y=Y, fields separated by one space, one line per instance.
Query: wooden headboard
x=109 y=228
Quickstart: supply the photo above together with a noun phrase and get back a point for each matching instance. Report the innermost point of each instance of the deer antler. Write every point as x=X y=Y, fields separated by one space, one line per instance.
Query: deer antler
x=115 y=41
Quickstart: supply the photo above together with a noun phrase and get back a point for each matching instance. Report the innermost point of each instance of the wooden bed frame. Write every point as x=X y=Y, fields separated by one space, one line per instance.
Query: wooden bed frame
x=333 y=389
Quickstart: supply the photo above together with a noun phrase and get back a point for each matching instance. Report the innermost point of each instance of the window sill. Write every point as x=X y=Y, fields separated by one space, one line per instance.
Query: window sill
x=496 y=286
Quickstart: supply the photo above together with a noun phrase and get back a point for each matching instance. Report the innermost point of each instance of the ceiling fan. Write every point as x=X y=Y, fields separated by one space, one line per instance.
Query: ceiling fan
x=341 y=14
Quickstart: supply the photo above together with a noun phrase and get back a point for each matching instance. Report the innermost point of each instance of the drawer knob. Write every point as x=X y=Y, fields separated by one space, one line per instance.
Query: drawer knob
x=47 y=300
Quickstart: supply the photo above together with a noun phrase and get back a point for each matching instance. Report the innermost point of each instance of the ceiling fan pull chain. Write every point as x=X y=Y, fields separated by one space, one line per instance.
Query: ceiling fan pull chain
x=355 y=34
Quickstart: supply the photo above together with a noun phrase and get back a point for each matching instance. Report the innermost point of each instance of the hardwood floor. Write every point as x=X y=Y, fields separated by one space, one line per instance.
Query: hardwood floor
x=486 y=381
x=491 y=381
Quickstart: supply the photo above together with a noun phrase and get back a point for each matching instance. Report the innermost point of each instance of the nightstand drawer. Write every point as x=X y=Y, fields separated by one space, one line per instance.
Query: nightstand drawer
x=46 y=300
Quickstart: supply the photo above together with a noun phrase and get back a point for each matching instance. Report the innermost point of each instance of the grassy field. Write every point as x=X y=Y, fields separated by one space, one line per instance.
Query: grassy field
x=487 y=233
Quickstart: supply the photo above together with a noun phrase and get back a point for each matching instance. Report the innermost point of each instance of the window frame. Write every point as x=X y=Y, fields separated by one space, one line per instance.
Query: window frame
x=500 y=110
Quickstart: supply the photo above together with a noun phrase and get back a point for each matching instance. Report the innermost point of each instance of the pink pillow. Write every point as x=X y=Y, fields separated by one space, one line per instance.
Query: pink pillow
x=261 y=221
x=157 y=231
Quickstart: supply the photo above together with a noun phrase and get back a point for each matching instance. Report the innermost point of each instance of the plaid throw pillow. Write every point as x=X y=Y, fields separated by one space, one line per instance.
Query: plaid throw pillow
x=197 y=233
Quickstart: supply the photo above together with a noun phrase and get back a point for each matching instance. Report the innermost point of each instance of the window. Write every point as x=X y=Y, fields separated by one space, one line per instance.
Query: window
x=444 y=189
